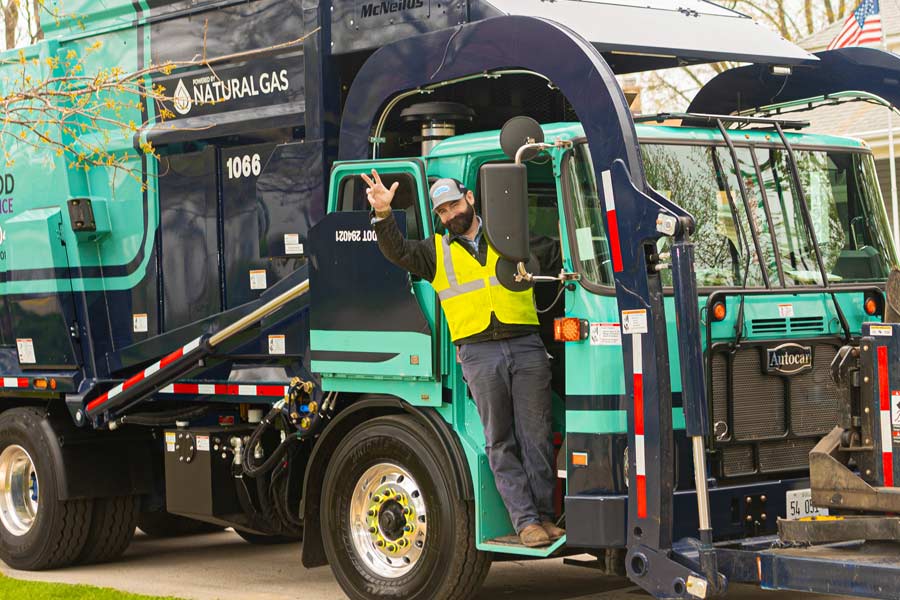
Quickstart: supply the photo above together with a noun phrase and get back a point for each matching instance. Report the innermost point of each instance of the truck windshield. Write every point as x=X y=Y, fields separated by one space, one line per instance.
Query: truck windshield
x=840 y=188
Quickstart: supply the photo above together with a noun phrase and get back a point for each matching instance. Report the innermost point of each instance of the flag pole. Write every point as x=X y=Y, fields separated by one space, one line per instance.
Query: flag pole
x=893 y=159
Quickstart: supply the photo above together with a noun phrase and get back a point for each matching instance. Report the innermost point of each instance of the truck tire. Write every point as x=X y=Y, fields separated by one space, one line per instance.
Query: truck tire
x=392 y=524
x=267 y=540
x=162 y=525
x=112 y=526
x=37 y=531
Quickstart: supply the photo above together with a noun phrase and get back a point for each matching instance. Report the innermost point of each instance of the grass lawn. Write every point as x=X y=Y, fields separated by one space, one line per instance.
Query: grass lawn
x=15 y=589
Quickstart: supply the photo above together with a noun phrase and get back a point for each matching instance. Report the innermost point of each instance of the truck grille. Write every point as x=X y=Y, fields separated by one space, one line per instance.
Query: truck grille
x=772 y=421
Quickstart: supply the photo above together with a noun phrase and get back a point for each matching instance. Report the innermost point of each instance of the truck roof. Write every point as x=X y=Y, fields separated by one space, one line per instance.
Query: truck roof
x=489 y=141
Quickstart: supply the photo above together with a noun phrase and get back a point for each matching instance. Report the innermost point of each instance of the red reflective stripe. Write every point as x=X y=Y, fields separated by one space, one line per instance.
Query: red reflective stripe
x=132 y=380
x=221 y=389
x=614 y=245
x=95 y=403
x=642 y=496
x=231 y=389
x=270 y=390
x=883 y=391
x=185 y=388
x=22 y=382
x=638 y=404
x=887 y=463
x=171 y=358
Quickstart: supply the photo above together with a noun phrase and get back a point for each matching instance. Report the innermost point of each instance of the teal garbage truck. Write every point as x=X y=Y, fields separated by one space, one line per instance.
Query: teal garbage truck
x=211 y=334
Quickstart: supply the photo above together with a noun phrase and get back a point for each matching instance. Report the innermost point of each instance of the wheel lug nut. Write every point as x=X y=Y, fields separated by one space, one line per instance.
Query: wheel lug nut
x=371 y=513
x=379 y=543
x=376 y=499
x=407 y=511
x=408 y=529
x=373 y=530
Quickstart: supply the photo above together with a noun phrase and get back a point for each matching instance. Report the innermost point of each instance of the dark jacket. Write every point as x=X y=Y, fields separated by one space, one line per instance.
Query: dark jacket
x=419 y=258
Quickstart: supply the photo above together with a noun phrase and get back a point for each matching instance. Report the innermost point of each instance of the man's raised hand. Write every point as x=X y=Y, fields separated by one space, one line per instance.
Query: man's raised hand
x=380 y=197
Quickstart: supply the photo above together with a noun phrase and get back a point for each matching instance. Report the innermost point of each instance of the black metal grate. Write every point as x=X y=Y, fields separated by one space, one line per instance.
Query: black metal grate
x=761 y=436
x=758 y=399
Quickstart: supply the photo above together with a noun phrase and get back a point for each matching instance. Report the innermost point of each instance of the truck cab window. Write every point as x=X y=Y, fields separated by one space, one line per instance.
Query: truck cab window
x=353 y=197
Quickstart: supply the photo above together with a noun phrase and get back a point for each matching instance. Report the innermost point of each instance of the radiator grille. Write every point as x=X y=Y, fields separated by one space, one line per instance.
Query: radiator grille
x=773 y=421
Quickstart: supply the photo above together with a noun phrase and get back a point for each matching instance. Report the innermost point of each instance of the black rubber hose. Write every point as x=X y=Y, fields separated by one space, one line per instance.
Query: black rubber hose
x=250 y=470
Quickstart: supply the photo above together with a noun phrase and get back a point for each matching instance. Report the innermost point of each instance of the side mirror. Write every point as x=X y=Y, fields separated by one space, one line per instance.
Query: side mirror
x=518 y=132
x=504 y=200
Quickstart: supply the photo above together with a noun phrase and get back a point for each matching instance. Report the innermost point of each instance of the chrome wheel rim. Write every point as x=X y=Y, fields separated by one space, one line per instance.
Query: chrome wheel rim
x=388 y=522
x=18 y=490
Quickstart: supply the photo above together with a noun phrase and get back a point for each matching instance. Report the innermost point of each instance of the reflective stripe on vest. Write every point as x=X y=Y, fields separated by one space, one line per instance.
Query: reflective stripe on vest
x=483 y=293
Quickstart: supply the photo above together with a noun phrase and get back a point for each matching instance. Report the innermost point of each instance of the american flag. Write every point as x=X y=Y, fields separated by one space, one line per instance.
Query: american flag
x=862 y=27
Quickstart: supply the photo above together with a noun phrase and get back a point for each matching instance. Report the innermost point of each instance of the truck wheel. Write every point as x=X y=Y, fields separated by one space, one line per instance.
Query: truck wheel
x=37 y=531
x=112 y=527
x=162 y=524
x=392 y=524
x=267 y=540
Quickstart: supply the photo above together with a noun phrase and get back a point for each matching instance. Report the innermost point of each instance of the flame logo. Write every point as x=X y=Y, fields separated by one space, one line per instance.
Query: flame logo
x=182 y=99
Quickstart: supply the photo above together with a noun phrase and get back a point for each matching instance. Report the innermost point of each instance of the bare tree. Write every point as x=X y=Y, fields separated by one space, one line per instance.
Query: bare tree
x=78 y=113
x=673 y=88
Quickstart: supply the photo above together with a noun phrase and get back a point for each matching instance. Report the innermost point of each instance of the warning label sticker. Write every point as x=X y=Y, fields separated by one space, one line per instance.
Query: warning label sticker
x=785 y=310
x=881 y=330
x=895 y=415
x=292 y=244
x=258 y=280
x=170 y=441
x=139 y=322
x=202 y=443
x=26 y=351
x=276 y=344
x=606 y=334
x=634 y=321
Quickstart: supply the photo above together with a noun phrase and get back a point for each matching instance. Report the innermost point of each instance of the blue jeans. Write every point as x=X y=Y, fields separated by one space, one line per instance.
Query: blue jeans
x=510 y=382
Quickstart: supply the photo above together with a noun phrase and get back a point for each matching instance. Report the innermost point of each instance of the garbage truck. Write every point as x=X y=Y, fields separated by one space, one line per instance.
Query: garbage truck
x=219 y=340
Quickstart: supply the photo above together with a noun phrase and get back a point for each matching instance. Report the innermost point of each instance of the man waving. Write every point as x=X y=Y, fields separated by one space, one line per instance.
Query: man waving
x=496 y=330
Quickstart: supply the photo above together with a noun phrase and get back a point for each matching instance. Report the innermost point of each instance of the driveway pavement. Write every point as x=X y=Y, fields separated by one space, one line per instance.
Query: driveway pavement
x=221 y=566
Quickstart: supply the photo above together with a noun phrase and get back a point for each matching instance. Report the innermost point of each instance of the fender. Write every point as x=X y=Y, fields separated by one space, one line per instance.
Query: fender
x=97 y=465
x=313 y=553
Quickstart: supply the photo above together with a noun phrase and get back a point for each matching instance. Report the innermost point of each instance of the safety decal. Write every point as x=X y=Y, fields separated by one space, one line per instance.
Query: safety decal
x=606 y=334
x=139 y=322
x=785 y=311
x=292 y=244
x=26 y=351
x=881 y=330
x=258 y=279
x=276 y=344
x=634 y=321
x=202 y=443
x=170 y=441
x=895 y=416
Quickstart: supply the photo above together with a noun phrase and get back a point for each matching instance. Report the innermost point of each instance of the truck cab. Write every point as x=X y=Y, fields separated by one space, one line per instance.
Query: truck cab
x=772 y=321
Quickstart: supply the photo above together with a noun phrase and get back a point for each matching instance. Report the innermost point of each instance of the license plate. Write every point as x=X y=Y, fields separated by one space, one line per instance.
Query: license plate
x=800 y=504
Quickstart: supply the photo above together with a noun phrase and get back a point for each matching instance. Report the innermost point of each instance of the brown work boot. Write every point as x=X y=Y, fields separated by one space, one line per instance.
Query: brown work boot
x=534 y=536
x=553 y=532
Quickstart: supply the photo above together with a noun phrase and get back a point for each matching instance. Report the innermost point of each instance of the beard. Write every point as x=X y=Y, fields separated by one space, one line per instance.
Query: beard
x=460 y=224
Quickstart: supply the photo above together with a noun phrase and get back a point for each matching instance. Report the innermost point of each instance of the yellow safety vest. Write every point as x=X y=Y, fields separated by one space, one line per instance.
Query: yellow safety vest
x=470 y=292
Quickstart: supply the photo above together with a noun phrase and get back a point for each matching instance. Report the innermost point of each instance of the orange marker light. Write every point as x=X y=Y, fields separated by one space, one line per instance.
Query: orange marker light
x=871 y=306
x=718 y=311
x=40 y=384
x=579 y=459
x=570 y=329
